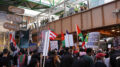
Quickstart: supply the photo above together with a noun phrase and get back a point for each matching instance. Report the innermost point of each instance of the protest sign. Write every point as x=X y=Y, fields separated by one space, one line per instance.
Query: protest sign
x=69 y=40
x=46 y=44
x=41 y=39
x=54 y=45
x=93 y=39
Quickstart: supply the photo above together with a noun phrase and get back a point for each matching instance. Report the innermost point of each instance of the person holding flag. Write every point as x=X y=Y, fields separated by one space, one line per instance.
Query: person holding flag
x=79 y=33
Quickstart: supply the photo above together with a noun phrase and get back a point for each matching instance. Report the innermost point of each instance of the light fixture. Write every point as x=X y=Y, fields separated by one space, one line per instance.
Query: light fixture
x=118 y=31
x=113 y=30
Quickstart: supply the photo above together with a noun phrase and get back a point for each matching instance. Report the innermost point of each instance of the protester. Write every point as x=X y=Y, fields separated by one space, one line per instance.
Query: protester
x=81 y=61
x=33 y=59
x=107 y=60
x=22 y=59
x=5 y=59
x=100 y=60
x=113 y=57
x=88 y=57
x=66 y=57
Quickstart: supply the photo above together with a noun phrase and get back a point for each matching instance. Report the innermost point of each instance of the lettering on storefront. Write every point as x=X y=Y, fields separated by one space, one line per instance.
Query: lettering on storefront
x=16 y=10
x=11 y=26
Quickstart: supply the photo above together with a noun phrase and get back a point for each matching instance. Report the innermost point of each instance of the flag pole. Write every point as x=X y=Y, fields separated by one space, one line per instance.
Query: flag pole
x=41 y=57
x=46 y=47
x=44 y=61
x=77 y=36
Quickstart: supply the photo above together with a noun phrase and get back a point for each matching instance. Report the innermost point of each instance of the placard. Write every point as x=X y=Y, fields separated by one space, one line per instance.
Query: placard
x=94 y=37
x=54 y=45
x=109 y=45
x=14 y=18
x=16 y=10
x=69 y=40
x=67 y=43
x=46 y=44
x=32 y=48
x=10 y=26
x=41 y=39
x=93 y=40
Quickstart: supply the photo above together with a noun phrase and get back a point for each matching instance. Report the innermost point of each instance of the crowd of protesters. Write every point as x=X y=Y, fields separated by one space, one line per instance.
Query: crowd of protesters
x=67 y=57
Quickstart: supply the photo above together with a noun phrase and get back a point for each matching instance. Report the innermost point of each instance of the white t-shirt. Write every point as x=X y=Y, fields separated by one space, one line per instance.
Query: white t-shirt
x=107 y=62
x=29 y=59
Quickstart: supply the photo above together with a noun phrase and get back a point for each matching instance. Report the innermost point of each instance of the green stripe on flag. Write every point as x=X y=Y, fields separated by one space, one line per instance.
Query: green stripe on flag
x=81 y=36
x=21 y=58
x=63 y=43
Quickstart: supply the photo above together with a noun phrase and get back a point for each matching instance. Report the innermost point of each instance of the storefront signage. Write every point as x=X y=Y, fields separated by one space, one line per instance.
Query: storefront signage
x=14 y=18
x=11 y=26
x=16 y=10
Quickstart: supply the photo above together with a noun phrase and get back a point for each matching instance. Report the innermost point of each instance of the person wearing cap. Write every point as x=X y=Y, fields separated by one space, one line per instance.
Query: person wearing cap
x=99 y=60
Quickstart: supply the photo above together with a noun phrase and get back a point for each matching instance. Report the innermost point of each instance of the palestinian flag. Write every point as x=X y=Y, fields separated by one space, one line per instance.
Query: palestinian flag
x=86 y=40
x=79 y=33
x=63 y=39
x=13 y=45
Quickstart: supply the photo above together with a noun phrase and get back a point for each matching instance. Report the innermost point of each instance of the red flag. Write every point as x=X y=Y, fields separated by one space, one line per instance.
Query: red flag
x=52 y=35
x=62 y=36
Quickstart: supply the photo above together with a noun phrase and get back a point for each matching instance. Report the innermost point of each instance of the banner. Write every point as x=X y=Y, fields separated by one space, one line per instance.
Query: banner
x=24 y=39
x=54 y=45
x=46 y=44
x=41 y=39
x=32 y=46
x=69 y=40
x=93 y=39
x=67 y=43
